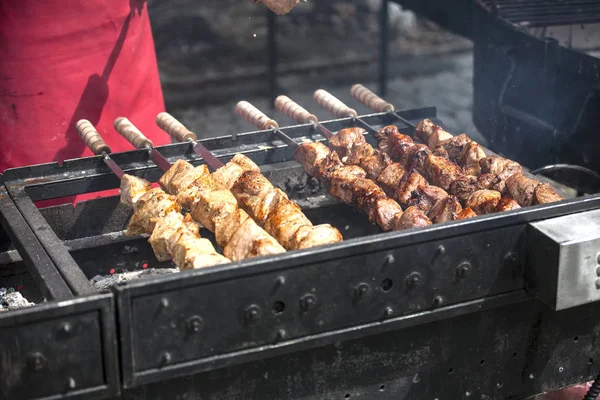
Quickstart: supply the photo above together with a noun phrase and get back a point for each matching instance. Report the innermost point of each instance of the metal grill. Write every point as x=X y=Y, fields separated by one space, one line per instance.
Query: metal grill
x=543 y=13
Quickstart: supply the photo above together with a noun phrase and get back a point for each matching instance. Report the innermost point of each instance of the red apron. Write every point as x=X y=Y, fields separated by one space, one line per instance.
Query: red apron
x=61 y=61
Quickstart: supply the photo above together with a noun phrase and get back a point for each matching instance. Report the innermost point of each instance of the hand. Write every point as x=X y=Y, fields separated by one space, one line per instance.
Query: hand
x=279 y=7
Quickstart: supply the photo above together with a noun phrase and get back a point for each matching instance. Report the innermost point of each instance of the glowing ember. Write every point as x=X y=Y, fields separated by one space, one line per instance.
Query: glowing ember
x=145 y=266
x=112 y=271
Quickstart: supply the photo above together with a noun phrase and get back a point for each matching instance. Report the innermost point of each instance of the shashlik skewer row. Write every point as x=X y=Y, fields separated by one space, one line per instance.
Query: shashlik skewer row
x=269 y=206
x=347 y=183
x=209 y=204
x=172 y=235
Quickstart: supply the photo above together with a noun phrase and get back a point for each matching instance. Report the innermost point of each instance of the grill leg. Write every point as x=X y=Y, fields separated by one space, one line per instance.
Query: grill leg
x=272 y=56
x=383 y=46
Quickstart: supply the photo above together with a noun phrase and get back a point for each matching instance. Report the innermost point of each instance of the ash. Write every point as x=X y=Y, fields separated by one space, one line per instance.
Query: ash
x=11 y=299
x=103 y=283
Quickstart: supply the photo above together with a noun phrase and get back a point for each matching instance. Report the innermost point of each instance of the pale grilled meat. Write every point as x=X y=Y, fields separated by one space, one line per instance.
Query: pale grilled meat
x=483 y=201
x=178 y=168
x=441 y=172
x=249 y=241
x=390 y=177
x=227 y=225
x=213 y=204
x=469 y=159
x=132 y=188
x=285 y=220
x=439 y=136
x=425 y=197
x=446 y=209
x=412 y=217
x=506 y=203
x=164 y=229
x=319 y=235
x=188 y=248
x=431 y=134
x=502 y=167
x=202 y=182
x=521 y=188
x=157 y=206
x=409 y=183
x=375 y=164
x=454 y=146
x=545 y=194
x=466 y=213
x=246 y=163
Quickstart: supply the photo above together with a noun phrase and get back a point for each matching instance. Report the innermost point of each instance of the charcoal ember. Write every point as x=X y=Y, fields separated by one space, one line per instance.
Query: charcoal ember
x=103 y=283
x=11 y=299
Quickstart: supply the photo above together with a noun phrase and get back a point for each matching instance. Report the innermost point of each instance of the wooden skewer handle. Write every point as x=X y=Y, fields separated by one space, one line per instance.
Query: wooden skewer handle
x=255 y=116
x=131 y=133
x=91 y=137
x=294 y=110
x=169 y=124
x=333 y=104
x=370 y=99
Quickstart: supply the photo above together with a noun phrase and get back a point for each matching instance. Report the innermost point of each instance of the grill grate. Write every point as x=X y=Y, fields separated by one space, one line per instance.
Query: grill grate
x=543 y=13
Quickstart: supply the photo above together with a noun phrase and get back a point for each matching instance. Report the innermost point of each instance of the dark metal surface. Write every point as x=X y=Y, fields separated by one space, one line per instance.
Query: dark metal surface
x=542 y=13
x=60 y=350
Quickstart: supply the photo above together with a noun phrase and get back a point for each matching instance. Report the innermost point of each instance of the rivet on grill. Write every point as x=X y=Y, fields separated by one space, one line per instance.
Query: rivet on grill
x=71 y=384
x=361 y=289
x=437 y=300
x=65 y=327
x=281 y=334
x=279 y=282
x=388 y=311
x=164 y=302
x=389 y=259
x=413 y=280
x=441 y=250
x=165 y=358
x=598 y=283
x=252 y=313
x=37 y=361
x=463 y=269
x=308 y=301
x=195 y=324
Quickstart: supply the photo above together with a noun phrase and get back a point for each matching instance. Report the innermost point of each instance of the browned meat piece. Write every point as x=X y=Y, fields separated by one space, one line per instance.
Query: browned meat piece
x=438 y=136
x=390 y=177
x=441 y=172
x=454 y=146
x=203 y=183
x=483 y=201
x=521 y=188
x=179 y=167
x=279 y=7
x=183 y=180
x=328 y=166
x=463 y=187
x=208 y=260
x=284 y=221
x=226 y=225
x=364 y=194
x=416 y=157
x=358 y=153
x=441 y=152
x=491 y=182
x=163 y=230
x=227 y=175
x=409 y=183
x=132 y=188
x=384 y=212
x=466 y=213
x=386 y=131
x=506 y=204
x=250 y=240
x=211 y=205
x=260 y=207
x=399 y=146
x=425 y=197
x=502 y=167
x=343 y=142
x=318 y=236
x=469 y=158
x=310 y=156
x=545 y=194
x=375 y=164
x=383 y=145
x=342 y=180
x=429 y=133
x=412 y=217
x=156 y=207
x=189 y=228
x=248 y=188
x=188 y=248
x=445 y=210
x=246 y=163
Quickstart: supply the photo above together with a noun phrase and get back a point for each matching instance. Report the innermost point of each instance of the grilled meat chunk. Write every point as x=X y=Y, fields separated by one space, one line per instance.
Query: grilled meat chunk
x=132 y=188
x=545 y=194
x=384 y=212
x=502 y=167
x=412 y=217
x=483 y=201
x=343 y=142
x=256 y=194
x=364 y=194
x=164 y=229
x=227 y=175
x=226 y=225
x=390 y=177
x=157 y=206
x=375 y=164
x=319 y=235
x=311 y=156
x=454 y=146
x=409 y=183
x=188 y=248
x=445 y=210
x=396 y=144
x=491 y=182
x=425 y=197
x=429 y=133
x=466 y=213
x=329 y=165
x=521 y=188
x=179 y=167
x=358 y=153
x=437 y=137
x=202 y=183
x=342 y=180
x=463 y=187
x=506 y=204
x=416 y=157
x=285 y=220
x=246 y=163
x=250 y=240
x=469 y=158
x=211 y=205
x=441 y=172
x=441 y=152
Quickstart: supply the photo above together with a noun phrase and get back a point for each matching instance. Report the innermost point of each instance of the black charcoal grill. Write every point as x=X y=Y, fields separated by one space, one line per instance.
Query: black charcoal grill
x=467 y=309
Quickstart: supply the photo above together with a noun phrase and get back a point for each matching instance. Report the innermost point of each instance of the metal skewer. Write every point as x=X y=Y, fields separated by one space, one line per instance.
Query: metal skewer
x=261 y=121
x=139 y=141
x=94 y=141
x=338 y=108
x=376 y=103
x=176 y=129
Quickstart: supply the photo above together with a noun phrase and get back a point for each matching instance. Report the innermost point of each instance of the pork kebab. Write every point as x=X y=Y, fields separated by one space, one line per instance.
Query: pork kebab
x=214 y=198
x=347 y=183
x=173 y=236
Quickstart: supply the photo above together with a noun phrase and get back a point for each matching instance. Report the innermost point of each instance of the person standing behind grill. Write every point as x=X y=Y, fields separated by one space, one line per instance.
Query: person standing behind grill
x=63 y=61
